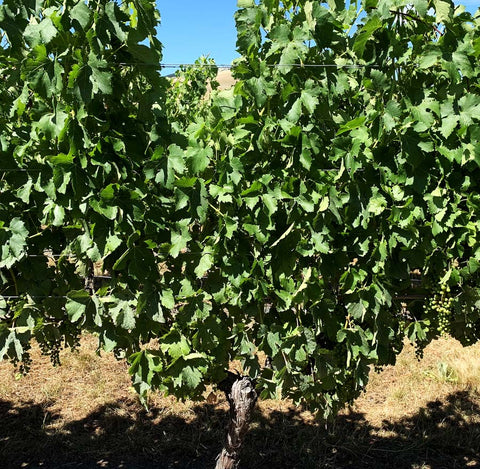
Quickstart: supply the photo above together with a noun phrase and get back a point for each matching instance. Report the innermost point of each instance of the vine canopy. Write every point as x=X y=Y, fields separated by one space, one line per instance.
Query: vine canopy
x=283 y=218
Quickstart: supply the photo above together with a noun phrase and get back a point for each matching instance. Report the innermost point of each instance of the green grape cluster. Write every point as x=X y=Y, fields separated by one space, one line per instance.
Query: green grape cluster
x=53 y=340
x=439 y=307
x=51 y=348
x=25 y=363
x=71 y=335
x=419 y=350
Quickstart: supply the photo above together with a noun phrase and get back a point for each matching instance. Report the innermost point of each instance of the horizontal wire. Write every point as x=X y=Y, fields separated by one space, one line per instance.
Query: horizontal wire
x=43 y=256
x=231 y=66
x=7 y=170
x=21 y=170
x=18 y=297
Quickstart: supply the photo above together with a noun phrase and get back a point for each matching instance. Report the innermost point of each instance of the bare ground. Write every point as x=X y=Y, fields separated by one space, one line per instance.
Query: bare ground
x=419 y=415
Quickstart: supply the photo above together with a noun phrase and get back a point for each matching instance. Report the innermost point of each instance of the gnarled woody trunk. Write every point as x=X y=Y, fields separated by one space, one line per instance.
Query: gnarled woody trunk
x=242 y=398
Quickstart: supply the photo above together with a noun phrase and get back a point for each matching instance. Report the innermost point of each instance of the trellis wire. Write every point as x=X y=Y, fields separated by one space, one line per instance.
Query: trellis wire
x=17 y=297
x=232 y=66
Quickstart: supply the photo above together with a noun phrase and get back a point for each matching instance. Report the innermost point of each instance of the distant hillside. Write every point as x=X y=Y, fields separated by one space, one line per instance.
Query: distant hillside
x=225 y=78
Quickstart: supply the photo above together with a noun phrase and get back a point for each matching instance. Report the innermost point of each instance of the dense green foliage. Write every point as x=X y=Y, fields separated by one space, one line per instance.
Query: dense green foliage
x=283 y=219
x=83 y=127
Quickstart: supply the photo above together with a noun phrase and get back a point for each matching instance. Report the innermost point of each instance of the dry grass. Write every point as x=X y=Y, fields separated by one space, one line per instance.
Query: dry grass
x=399 y=390
x=418 y=414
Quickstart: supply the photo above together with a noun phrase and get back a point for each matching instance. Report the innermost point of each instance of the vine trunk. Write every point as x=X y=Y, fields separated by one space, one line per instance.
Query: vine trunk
x=242 y=398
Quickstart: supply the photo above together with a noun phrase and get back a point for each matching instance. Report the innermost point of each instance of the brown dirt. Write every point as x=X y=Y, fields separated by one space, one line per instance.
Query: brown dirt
x=417 y=414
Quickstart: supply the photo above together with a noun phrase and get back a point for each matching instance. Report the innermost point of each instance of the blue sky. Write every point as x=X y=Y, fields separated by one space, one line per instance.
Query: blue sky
x=471 y=5
x=191 y=28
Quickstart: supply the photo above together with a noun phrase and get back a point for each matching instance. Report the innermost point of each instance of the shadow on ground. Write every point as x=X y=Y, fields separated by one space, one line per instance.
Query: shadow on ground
x=441 y=435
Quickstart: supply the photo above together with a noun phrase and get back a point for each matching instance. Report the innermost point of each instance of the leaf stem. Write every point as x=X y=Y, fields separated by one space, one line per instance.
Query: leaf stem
x=416 y=18
x=216 y=209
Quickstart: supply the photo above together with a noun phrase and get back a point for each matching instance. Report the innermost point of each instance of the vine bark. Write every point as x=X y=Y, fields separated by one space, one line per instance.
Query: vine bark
x=242 y=398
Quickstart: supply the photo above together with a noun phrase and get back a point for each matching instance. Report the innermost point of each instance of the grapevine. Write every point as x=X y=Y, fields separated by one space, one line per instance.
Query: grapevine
x=280 y=218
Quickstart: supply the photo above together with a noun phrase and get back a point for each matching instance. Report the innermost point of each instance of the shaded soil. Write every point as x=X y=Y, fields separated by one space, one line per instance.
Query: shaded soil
x=121 y=435
x=82 y=424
